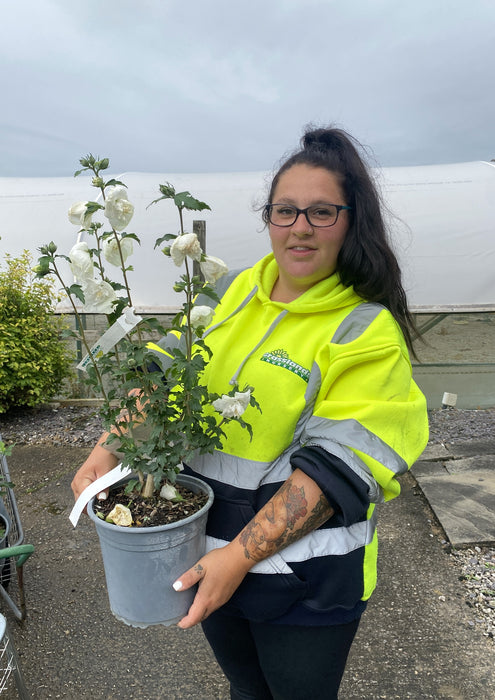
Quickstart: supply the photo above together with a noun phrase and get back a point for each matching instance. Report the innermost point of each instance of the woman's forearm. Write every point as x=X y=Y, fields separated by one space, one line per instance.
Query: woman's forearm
x=298 y=507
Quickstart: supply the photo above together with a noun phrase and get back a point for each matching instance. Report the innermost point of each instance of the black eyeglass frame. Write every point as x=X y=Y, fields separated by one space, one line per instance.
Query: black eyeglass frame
x=269 y=207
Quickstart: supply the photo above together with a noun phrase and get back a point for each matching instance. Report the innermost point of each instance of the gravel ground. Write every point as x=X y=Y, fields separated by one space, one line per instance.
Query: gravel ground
x=54 y=425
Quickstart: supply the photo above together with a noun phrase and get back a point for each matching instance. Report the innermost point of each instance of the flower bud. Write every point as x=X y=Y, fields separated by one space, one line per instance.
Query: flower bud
x=41 y=270
x=167 y=190
x=52 y=247
x=201 y=316
x=98 y=182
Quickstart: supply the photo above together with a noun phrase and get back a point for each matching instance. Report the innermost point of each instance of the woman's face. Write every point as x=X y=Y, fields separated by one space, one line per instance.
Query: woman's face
x=306 y=254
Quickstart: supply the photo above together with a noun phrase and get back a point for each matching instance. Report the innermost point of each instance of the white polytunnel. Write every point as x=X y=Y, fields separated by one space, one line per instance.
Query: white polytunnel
x=442 y=223
x=442 y=219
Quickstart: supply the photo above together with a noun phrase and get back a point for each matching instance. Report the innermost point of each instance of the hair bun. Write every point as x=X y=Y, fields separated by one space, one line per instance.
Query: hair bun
x=320 y=139
x=324 y=140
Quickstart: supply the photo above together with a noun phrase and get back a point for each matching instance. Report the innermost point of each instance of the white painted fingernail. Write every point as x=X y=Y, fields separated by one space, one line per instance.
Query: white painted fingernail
x=102 y=496
x=177 y=585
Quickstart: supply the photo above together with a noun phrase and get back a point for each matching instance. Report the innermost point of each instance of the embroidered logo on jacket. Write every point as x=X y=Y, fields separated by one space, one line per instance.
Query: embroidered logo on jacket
x=281 y=359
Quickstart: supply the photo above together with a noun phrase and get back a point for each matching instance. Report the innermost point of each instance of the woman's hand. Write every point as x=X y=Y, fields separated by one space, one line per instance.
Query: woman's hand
x=99 y=462
x=218 y=574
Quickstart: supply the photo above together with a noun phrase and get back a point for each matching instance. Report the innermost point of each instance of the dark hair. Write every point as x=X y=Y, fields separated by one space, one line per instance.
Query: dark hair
x=366 y=260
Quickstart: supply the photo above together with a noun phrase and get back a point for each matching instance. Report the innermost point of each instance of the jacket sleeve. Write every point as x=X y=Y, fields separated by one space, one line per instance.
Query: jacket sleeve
x=344 y=490
x=369 y=412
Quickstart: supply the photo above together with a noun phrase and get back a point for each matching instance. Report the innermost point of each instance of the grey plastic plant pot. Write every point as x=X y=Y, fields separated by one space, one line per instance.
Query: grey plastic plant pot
x=141 y=564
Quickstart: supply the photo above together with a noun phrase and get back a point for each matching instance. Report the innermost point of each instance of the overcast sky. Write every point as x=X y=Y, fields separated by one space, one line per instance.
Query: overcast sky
x=228 y=85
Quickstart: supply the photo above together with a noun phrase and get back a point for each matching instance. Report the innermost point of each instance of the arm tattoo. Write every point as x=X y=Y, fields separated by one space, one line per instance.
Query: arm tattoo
x=274 y=527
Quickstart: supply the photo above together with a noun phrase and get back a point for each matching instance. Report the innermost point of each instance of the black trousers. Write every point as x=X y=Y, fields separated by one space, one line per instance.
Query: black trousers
x=279 y=662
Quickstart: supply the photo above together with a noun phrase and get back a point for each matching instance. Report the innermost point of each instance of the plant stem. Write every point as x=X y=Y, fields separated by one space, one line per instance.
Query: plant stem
x=82 y=334
x=149 y=486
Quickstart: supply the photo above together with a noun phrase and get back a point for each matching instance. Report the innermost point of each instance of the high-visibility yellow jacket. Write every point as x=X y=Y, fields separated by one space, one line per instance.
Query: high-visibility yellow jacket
x=334 y=382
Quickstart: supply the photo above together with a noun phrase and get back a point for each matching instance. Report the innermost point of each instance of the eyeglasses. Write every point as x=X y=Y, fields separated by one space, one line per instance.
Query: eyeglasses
x=317 y=215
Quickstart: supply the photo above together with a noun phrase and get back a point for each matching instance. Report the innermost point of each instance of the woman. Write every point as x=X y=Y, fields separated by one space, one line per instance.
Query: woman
x=320 y=328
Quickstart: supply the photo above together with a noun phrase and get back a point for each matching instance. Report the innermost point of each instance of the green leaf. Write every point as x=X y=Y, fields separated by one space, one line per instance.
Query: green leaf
x=112 y=182
x=185 y=200
x=91 y=207
x=131 y=235
x=166 y=237
x=210 y=292
x=77 y=291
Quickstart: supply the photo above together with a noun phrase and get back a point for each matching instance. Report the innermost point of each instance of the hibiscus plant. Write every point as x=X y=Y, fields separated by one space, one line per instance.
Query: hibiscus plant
x=154 y=406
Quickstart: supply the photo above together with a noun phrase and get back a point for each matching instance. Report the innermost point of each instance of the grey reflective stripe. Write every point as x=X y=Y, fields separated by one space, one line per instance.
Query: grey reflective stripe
x=350 y=433
x=272 y=565
x=337 y=541
x=236 y=311
x=266 y=335
x=310 y=395
x=242 y=473
x=356 y=322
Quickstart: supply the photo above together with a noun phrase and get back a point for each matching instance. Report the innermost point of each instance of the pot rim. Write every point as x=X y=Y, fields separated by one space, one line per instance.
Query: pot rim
x=135 y=531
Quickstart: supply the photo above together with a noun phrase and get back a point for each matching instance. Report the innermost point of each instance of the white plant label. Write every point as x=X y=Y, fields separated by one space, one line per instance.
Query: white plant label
x=93 y=489
x=111 y=337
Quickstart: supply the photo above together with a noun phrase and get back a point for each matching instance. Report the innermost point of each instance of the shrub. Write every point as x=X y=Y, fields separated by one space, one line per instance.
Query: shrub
x=33 y=359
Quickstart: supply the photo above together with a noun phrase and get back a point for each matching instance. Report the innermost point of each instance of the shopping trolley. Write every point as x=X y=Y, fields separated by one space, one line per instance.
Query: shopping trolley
x=14 y=553
x=9 y=664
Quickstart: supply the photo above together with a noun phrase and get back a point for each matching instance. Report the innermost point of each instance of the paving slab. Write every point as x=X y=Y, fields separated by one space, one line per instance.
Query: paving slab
x=464 y=503
x=471 y=464
x=472 y=448
x=458 y=480
x=422 y=468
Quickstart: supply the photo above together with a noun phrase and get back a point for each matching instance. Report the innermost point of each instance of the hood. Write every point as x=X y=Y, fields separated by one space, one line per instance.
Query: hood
x=328 y=294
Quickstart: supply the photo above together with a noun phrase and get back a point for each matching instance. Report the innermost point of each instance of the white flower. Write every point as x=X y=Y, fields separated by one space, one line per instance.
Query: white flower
x=118 y=209
x=78 y=215
x=201 y=316
x=98 y=297
x=115 y=192
x=111 y=250
x=81 y=263
x=120 y=515
x=213 y=268
x=186 y=244
x=233 y=406
x=169 y=492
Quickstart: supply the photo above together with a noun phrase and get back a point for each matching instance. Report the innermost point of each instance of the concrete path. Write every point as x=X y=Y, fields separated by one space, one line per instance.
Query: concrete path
x=415 y=640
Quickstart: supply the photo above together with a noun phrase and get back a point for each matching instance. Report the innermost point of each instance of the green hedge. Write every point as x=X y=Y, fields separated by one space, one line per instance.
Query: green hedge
x=34 y=361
